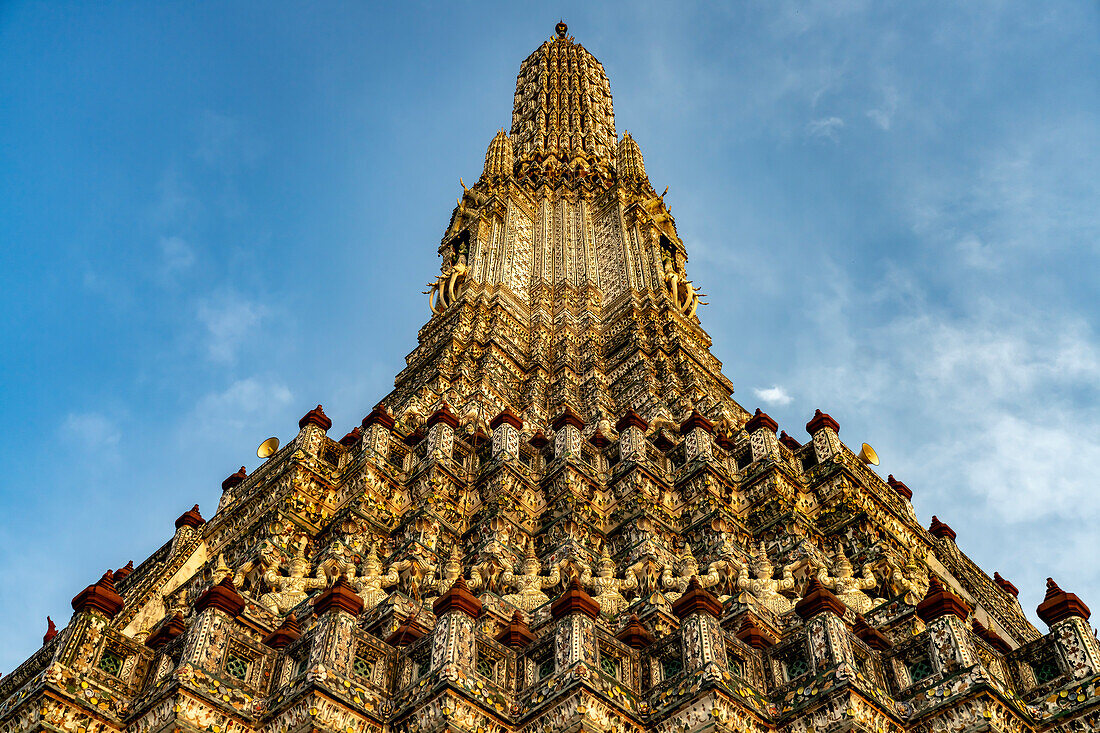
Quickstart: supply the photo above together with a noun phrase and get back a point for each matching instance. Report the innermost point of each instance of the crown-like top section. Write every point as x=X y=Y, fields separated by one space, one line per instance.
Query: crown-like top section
x=562 y=116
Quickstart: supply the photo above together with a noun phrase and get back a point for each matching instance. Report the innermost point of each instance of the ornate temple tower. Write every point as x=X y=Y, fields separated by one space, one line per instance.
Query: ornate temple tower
x=560 y=520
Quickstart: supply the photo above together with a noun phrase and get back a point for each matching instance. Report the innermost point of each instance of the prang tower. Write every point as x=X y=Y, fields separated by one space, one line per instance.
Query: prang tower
x=560 y=520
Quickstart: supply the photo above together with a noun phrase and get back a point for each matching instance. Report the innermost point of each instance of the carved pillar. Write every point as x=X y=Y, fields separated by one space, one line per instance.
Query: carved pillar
x=826 y=435
x=337 y=609
x=698 y=436
x=945 y=614
x=441 y=426
x=761 y=429
x=700 y=633
x=567 y=434
x=822 y=611
x=631 y=428
x=575 y=634
x=377 y=427
x=206 y=639
x=506 y=427
x=454 y=636
x=1067 y=616
x=311 y=430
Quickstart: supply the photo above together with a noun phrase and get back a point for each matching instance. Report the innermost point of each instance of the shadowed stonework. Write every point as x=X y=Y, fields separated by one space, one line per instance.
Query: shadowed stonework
x=560 y=520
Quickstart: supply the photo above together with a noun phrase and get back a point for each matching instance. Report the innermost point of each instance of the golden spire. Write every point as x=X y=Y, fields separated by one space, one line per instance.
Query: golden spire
x=498 y=158
x=631 y=167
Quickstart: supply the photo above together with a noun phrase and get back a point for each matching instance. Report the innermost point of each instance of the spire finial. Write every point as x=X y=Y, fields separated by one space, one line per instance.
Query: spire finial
x=561 y=29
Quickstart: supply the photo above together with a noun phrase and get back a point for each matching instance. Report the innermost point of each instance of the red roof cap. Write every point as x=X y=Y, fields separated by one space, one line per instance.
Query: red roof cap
x=317 y=417
x=1059 y=605
x=818 y=599
x=696 y=599
x=631 y=420
x=941 y=530
x=516 y=634
x=442 y=415
x=234 y=479
x=761 y=419
x=567 y=417
x=506 y=416
x=899 y=488
x=751 y=633
x=169 y=630
x=695 y=420
x=51 y=631
x=789 y=441
x=379 y=416
x=190 y=518
x=340 y=596
x=634 y=635
x=406 y=633
x=282 y=637
x=1005 y=585
x=352 y=438
x=869 y=635
x=101 y=597
x=822 y=420
x=940 y=602
x=223 y=596
x=575 y=600
x=458 y=598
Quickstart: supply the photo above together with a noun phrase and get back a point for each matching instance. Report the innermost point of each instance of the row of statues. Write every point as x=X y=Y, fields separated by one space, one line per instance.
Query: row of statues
x=526 y=586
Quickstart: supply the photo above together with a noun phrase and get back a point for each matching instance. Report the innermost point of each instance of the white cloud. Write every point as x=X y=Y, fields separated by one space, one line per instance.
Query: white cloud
x=773 y=395
x=91 y=431
x=229 y=320
x=176 y=254
x=883 y=116
x=242 y=404
x=826 y=128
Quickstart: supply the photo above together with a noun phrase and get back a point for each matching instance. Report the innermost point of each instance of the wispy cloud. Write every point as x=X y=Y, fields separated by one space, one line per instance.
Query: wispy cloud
x=883 y=115
x=773 y=396
x=825 y=128
x=90 y=431
x=229 y=320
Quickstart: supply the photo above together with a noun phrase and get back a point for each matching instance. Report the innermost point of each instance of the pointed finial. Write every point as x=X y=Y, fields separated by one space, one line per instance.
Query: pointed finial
x=561 y=29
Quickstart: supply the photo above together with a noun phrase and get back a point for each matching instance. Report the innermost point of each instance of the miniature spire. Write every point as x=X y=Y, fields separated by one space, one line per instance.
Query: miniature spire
x=101 y=597
x=498 y=158
x=317 y=417
x=516 y=634
x=631 y=167
x=190 y=518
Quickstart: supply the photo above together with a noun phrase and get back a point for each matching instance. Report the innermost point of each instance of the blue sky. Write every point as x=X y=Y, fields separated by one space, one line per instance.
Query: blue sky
x=214 y=216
